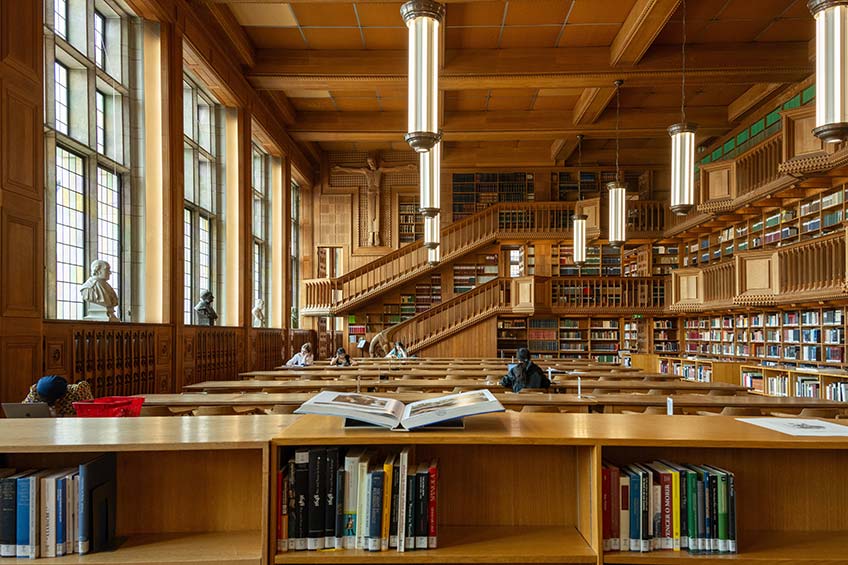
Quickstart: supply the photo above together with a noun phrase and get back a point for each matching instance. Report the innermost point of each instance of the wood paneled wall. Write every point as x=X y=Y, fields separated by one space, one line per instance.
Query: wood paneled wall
x=476 y=341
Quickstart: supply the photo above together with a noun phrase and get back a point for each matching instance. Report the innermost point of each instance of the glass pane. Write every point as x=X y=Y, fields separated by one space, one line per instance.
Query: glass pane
x=204 y=255
x=188 y=175
x=100 y=107
x=70 y=234
x=61 y=93
x=258 y=171
x=257 y=271
x=204 y=184
x=204 y=124
x=258 y=216
x=60 y=18
x=109 y=222
x=188 y=295
x=188 y=112
x=99 y=40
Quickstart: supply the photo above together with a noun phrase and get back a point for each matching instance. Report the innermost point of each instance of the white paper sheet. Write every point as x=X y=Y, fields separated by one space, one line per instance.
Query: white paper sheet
x=799 y=426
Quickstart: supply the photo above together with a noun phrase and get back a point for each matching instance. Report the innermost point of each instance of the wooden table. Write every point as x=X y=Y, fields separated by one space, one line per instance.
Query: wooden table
x=450 y=384
x=333 y=374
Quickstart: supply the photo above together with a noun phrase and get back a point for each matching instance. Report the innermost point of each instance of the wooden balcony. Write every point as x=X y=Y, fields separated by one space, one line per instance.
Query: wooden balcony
x=809 y=271
x=609 y=295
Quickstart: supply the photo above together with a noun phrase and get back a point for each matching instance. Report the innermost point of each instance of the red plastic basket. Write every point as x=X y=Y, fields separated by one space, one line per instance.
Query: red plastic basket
x=109 y=407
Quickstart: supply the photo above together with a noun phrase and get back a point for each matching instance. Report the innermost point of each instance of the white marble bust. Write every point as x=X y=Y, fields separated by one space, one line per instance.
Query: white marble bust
x=99 y=294
x=258 y=313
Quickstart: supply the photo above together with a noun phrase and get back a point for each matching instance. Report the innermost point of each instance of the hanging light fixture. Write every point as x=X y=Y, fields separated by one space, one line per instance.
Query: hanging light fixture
x=434 y=255
x=431 y=231
x=682 y=147
x=579 y=228
x=430 y=167
x=831 y=72
x=423 y=18
x=617 y=189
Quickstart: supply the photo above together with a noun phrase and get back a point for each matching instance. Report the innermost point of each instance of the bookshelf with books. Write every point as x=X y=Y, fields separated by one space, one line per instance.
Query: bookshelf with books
x=665 y=337
x=768 y=517
x=468 y=275
x=796 y=382
x=410 y=222
x=177 y=480
x=604 y=339
x=634 y=338
x=565 y=187
x=428 y=292
x=542 y=337
x=474 y=192
x=574 y=338
x=699 y=369
x=512 y=335
x=600 y=260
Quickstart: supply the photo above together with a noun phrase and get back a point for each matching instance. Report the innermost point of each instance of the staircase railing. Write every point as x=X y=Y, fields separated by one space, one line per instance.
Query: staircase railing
x=634 y=294
x=452 y=316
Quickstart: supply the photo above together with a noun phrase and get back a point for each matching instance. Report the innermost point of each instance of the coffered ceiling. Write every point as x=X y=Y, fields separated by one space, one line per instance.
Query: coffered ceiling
x=522 y=77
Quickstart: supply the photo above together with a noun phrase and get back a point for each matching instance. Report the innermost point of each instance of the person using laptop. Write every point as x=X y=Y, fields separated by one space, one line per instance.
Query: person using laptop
x=60 y=396
x=525 y=374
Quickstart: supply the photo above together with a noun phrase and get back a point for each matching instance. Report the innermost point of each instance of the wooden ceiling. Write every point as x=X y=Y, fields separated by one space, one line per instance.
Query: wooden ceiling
x=521 y=78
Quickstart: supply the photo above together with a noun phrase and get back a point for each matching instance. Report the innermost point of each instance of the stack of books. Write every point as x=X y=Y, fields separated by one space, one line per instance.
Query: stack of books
x=329 y=498
x=57 y=512
x=668 y=506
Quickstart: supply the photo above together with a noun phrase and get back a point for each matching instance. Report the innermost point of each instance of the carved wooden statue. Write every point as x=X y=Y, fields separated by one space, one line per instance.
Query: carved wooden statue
x=373 y=180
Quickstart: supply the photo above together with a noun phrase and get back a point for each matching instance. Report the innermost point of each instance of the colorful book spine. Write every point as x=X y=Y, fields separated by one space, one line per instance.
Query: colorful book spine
x=25 y=518
x=375 y=519
x=316 y=499
x=432 y=506
x=331 y=467
x=8 y=511
x=422 y=482
x=301 y=492
x=339 y=532
x=351 y=496
x=386 y=503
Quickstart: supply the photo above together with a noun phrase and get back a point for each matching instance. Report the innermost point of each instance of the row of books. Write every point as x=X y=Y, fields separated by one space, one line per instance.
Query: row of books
x=57 y=512
x=663 y=505
x=332 y=499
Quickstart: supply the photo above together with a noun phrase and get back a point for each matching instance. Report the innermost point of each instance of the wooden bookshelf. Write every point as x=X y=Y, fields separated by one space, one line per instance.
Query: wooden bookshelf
x=665 y=336
x=512 y=335
x=794 y=382
x=699 y=369
x=474 y=192
x=475 y=270
x=410 y=222
x=190 y=490
x=601 y=260
x=485 y=516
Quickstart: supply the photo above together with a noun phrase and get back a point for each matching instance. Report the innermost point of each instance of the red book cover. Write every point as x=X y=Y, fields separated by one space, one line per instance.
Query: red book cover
x=432 y=538
x=615 y=508
x=605 y=506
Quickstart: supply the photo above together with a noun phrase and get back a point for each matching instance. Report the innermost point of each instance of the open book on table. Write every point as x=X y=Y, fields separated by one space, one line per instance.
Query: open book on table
x=393 y=414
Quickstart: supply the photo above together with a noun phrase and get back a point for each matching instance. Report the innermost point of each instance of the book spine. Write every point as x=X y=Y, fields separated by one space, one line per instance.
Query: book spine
x=606 y=520
x=645 y=506
x=624 y=512
x=667 y=512
x=351 y=496
x=703 y=512
x=675 y=510
x=282 y=542
x=60 y=516
x=731 y=512
x=34 y=517
x=83 y=544
x=72 y=539
x=615 y=506
x=301 y=490
x=635 y=513
x=375 y=529
x=362 y=504
x=47 y=518
x=432 y=508
x=332 y=466
x=411 y=510
x=395 y=507
x=721 y=510
x=692 y=509
x=8 y=510
x=386 y=506
x=683 y=511
x=291 y=503
x=22 y=518
x=316 y=499
x=658 y=539
x=338 y=542
x=713 y=512
x=422 y=482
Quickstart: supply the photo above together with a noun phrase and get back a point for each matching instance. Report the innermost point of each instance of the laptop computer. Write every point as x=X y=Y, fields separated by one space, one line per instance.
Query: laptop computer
x=26 y=410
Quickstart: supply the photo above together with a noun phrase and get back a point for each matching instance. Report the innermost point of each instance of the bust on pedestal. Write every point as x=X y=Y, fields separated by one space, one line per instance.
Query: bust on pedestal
x=206 y=314
x=258 y=313
x=99 y=294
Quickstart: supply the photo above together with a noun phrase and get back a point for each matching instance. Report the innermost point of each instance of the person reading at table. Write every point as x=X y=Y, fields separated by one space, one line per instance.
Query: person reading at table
x=525 y=374
x=302 y=358
x=60 y=396
x=341 y=358
x=398 y=351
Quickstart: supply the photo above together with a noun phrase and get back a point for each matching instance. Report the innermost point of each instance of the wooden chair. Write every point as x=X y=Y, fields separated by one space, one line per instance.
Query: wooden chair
x=281 y=409
x=649 y=410
x=733 y=411
x=156 y=411
x=809 y=413
x=214 y=411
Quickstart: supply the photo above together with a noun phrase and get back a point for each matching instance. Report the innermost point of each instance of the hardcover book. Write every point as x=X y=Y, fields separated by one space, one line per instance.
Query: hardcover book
x=393 y=414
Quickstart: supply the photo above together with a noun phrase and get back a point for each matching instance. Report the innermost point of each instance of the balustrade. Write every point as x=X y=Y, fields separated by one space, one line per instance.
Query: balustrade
x=631 y=293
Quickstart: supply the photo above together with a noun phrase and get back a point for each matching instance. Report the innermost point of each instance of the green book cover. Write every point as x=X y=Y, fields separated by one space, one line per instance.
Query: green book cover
x=723 y=524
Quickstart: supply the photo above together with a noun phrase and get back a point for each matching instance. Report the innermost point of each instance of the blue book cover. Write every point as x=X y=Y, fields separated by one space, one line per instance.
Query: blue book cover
x=97 y=503
x=22 y=517
x=8 y=514
x=375 y=528
x=635 y=510
x=60 y=516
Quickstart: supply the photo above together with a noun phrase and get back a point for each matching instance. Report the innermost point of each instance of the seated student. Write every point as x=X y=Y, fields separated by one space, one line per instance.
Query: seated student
x=58 y=394
x=341 y=358
x=398 y=351
x=302 y=358
x=525 y=374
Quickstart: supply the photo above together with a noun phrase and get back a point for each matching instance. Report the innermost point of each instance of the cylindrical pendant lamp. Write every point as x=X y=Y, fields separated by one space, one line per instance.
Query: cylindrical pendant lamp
x=682 y=167
x=831 y=69
x=423 y=19
x=434 y=255
x=430 y=167
x=617 y=213
x=431 y=231
x=579 y=228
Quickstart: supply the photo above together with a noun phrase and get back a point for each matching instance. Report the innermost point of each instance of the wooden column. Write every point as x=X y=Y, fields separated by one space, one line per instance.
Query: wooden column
x=286 y=242
x=21 y=198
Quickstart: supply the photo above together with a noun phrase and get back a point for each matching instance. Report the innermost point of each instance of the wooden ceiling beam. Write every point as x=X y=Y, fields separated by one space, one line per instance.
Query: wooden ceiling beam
x=562 y=148
x=591 y=104
x=241 y=44
x=280 y=102
x=641 y=26
x=750 y=99
x=584 y=67
x=499 y=126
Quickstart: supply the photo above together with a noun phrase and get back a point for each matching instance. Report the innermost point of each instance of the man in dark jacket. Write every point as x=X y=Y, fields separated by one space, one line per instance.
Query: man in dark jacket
x=525 y=374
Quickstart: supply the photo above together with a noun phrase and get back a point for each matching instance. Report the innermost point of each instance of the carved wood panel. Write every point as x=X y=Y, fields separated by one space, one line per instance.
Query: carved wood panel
x=21 y=145
x=334 y=215
x=19 y=357
x=21 y=236
x=267 y=348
